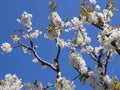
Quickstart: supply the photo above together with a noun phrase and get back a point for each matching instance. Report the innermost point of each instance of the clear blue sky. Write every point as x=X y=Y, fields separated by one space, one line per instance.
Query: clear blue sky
x=21 y=64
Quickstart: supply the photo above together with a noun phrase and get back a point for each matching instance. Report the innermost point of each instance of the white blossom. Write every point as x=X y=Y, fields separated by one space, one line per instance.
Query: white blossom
x=68 y=24
x=60 y=42
x=93 y=17
x=77 y=23
x=15 y=38
x=54 y=16
x=33 y=86
x=97 y=7
x=78 y=62
x=26 y=36
x=63 y=84
x=92 y=1
x=37 y=85
x=26 y=50
x=35 y=60
x=107 y=80
x=12 y=82
x=34 y=35
x=89 y=49
x=26 y=20
x=6 y=47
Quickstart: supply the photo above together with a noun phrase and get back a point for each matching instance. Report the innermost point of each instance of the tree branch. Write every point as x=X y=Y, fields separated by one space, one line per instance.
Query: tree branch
x=98 y=26
x=43 y=61
x=37 y=56
x=106 y=61
x=57 y=60
x=94 y=57
x=99 y=58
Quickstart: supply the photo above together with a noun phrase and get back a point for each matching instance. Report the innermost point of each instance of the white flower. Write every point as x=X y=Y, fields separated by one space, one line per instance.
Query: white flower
x=76 y=22
x=26 y=50
x=89 y=49
x=78 y=62
x=92 y=1
x=34 y=35
x=101 y=15
x=60 y=42
x=26 y=20
x=93 y=17
x=107 y=80
x=15 y=38
x=6 y=47
x=68 y=43
x=63 y=84
x=97 y=7
x=26 y=36
x=54 y=16
x=37 y=85
x=12 y=82
x=35 y=60
x=68 y=24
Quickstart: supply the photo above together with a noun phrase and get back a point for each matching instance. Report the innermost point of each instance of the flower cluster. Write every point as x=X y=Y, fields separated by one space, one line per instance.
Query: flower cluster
x=100 y=17
x=34 y=34
x=100 y=82
x=63 y=84
x=6 y=47
x=110 y=39
x=78 y=62
x=56 y=27
x=33 y=86
x=26 y=20
x=12 y=82
x=54 y=16
x=82 y=38
x=15 y=38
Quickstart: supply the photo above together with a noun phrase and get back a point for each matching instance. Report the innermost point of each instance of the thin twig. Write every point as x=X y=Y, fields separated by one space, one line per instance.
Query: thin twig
x=48 y=86
x=75 y=77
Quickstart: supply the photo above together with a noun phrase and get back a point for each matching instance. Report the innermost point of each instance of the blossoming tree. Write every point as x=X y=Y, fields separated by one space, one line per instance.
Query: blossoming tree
x=79 y=45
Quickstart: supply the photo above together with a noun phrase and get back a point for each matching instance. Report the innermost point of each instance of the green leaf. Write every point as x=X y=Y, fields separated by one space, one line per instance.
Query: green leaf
x=82 y=78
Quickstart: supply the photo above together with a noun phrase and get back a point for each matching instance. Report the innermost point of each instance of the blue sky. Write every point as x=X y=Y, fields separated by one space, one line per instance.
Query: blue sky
x=21 y=64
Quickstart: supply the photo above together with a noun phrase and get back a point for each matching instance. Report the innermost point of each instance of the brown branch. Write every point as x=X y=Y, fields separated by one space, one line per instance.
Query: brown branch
x=37 y=56
x=106 y=61
x=39 y=59
x=94 y=56
x=23 y=45
x=99 y=58
x=43 y=61
x=98 y=26
x=57 y=60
